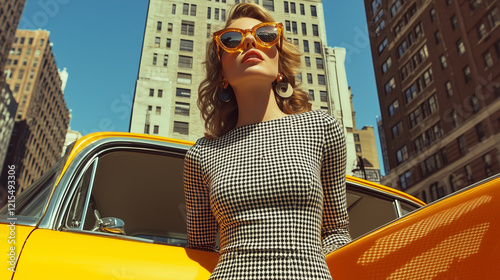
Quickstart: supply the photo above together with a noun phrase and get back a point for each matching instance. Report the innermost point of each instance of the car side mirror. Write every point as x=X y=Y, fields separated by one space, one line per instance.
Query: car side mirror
x=109 y=225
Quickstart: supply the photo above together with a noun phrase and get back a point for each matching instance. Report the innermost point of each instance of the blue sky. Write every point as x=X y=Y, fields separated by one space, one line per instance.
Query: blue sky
x=99 y=42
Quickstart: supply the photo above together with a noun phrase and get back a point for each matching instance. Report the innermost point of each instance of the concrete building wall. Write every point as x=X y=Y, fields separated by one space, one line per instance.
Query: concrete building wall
x=164 y=24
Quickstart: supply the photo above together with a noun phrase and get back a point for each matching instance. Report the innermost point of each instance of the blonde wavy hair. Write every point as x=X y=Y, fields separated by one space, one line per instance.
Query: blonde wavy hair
x=220 y=117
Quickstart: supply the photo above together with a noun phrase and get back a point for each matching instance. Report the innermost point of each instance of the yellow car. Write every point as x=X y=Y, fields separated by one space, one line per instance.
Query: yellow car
x=113 y=208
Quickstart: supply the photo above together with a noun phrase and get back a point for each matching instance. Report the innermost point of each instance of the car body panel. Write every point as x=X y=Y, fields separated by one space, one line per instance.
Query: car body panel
x=20 y=234
x=71 y=255
x=455 y=238
x=109 y=161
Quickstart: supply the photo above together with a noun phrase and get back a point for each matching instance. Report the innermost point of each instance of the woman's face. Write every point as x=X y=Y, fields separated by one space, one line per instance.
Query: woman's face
x=254 y=64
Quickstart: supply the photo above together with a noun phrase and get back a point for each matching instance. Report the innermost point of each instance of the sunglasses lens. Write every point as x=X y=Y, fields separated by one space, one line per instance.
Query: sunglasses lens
x=231 y=39
x=267 y=34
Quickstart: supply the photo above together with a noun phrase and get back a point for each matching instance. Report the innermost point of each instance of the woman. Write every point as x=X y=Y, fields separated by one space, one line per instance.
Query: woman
x=270 y=173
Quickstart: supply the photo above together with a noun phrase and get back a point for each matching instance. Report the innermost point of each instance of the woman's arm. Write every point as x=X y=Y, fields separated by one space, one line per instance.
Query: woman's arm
x=335 y=227
x=201 y=224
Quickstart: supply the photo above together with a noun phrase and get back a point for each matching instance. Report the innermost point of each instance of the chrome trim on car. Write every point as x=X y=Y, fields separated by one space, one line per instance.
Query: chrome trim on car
x=397 y=206
x=52 y=218
x=89 y=192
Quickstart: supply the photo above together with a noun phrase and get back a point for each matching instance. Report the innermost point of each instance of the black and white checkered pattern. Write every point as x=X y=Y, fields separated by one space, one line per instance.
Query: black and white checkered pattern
x=276 y=191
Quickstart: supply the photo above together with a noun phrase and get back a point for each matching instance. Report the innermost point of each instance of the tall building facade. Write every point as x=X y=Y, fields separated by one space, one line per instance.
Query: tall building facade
x=42 y=117
x=438 y=78
x=10 y=15
x=173 y=51
x=367 y=166
x=8 y=109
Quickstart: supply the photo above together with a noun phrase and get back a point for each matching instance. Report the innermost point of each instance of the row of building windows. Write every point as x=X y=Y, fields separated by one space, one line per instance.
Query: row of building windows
x=291 y=8
x=291 y=26
x=22 y=40
x=321 y=78
x=179 y=127
x=219 y=14
x=187 y=27
x=18 y=51
x=322 y=95
x=9 y=73
x=179 y=92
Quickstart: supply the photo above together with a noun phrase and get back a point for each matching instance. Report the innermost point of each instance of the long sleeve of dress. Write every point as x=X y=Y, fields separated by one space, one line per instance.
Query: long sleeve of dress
x=335 y=224
x=201 y=224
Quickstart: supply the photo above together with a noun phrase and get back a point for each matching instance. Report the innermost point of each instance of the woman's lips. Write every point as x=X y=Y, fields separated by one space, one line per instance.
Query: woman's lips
x=252 y=56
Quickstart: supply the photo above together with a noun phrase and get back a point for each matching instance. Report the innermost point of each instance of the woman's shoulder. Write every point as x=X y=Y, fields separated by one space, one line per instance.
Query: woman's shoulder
x=317 y=116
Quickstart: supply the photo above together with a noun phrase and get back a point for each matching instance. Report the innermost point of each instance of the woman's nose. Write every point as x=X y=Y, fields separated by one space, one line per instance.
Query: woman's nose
x=249 y=41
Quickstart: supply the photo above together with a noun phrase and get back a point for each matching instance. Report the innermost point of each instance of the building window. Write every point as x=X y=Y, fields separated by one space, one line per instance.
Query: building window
x=158 y=26
x=449 y=89
x=186 y=45
x=193 y=10
x=411 y=93
x=292 y=8
x=397 y=130
x=156 y=129
x=474 y=103
x=395 y=8
x=185 y=9
x=474 y=4
x=185 y=62
x=302 y=9
x=321 y=79
x=173 y=9
x=223 y=14
x=304 y=28
x=209 y=12
x=309 y=78
x=375 y=5
x=468 y=174
x=480 y=132
x=454 y=22
x=401 y=155
x=481 y=30
x=308 y=61
x=160 y=93
x=286 y=7
x=358 y=148
x=488 y=60
x=151 y=92
x=317 y=47
x=182 y=108
x=319 y=63
x=383 y=45
x=187 y=28
x=268 y=4
x=493 y=18
x=432 y=12
x=427 y=76
x=165 y=60
x=415 y=117
x=393 y=108
x=386 y=65
x=311 y=95
x=405 y=180
x=184 y=78
x=390 y=85
x=444 y=64
x=402 y=48
x=294 y=27
x=460 y=47
x=306 y=46
x=183 y=92
x=437 y=37
x=462 y=145
x=433 y=104
x=169 y=43
x=313 y=11
x=323 y=96
x=181 y=127
x=170 y=27
x=467 y=74
x=315 y=30
x=356 y=137
x=454 y=118
x=158 y=110
x=488 y=166
x=216 y=14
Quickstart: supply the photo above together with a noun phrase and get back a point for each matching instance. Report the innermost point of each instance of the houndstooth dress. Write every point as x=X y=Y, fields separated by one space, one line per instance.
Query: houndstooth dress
x=276 y=192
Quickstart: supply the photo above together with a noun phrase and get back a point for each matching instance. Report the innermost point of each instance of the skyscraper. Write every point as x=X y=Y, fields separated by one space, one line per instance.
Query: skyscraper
x=436 y=66
x=42 y=116
x=174 y=47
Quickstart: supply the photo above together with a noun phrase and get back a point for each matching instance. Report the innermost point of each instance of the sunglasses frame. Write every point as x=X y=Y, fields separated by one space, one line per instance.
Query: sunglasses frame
x=244 y=33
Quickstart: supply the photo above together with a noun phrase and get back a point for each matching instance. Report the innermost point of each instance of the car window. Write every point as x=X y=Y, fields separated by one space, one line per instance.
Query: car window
x=31 y=202
x=367 y=212
x=142 y=188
